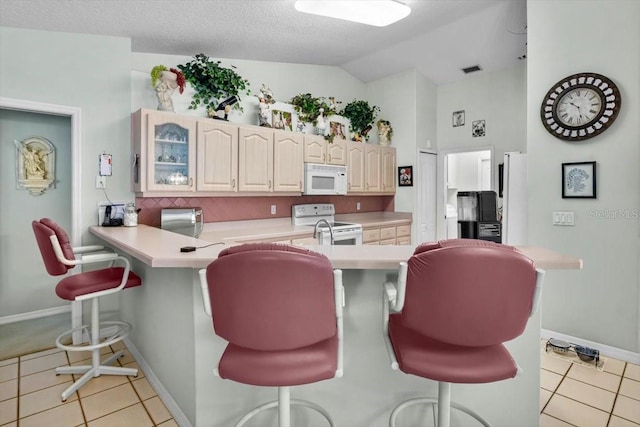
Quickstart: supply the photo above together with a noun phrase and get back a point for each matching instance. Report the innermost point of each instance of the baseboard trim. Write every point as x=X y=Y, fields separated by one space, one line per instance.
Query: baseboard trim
x=177 y=414
x=5 y=320
x=605 y=350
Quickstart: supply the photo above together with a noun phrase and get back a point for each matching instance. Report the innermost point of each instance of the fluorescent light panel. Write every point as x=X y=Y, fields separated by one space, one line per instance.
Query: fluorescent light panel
x=379 y=13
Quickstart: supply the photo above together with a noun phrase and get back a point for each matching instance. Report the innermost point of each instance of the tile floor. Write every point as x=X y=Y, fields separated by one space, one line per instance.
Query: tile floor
x=30 y=394
x=581 y=396
x=570 y=395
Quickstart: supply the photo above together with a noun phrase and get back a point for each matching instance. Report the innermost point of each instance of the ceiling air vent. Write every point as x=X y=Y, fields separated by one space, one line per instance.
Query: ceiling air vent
x=471 y=69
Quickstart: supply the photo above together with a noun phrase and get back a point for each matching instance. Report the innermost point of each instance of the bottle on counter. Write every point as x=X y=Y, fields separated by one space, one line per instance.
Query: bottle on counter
x=130 y=215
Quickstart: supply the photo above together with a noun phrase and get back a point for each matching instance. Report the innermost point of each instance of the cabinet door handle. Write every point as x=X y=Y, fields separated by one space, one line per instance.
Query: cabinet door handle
x=329 y=157
x=323 y=157
x=233 y=183
x=269 y=184
x=300 y=185
x=190 y=182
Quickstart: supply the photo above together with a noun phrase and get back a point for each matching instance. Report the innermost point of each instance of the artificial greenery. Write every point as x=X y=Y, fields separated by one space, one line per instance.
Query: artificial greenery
x=360 y=114
x=156 y=72
x=308 y=107
x=212 y=82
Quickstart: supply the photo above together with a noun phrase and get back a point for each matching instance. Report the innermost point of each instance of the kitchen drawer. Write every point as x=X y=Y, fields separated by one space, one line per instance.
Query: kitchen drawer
x=404 y=240
x=403 y=230
x=388 y=242
x=374 y=242
x=371 y=235
x=387 y=233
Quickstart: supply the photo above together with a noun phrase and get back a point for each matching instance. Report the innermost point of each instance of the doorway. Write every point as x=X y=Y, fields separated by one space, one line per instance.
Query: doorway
x=427 y=196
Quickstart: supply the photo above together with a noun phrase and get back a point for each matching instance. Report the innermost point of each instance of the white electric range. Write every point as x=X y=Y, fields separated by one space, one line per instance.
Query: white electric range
x=321 y=216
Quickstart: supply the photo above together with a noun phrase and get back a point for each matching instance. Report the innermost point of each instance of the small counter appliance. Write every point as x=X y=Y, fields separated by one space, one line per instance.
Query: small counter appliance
x=327 y=231
x=187 y=221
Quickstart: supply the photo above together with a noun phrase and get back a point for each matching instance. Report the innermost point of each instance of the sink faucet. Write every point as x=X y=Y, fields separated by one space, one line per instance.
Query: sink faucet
x=315 y=229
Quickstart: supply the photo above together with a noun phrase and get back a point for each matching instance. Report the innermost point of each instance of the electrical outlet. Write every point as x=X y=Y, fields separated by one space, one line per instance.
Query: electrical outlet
x=358 y=206
x=101 y=182
x=273 y=209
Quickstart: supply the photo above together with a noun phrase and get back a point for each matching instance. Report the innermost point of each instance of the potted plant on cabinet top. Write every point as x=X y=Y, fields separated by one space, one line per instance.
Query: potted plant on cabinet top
x=308 y=107
x=213 y=83
x=361 y=115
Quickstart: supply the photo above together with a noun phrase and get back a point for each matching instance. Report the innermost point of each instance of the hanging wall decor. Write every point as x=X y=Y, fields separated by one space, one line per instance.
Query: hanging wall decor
x=35 y=160
x=458 y=118
x=478 y=128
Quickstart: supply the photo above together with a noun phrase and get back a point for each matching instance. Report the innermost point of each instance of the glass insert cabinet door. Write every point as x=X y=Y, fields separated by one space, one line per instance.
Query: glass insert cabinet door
x=171 y=154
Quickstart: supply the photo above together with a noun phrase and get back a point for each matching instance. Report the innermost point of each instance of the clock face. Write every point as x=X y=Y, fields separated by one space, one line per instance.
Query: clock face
x=580 y=106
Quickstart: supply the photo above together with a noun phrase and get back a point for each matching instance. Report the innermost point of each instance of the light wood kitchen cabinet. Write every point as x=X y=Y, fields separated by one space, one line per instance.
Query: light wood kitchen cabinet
x=319 y=150
x=288 y=168
x=388 y=173
x=371 y=236
x=217 y=156
x=372 y=166
x=387 y=235
x=403 y=235
x=355 y=167
x=163 y=148
x=255 y=159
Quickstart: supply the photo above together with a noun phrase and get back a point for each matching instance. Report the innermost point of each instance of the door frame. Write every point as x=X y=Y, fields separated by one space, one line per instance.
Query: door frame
x=420 y=193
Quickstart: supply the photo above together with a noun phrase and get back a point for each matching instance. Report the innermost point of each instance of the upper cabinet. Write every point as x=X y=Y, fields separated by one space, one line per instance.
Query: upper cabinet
x=319 y=150
x=175 y=155
x=163 y=149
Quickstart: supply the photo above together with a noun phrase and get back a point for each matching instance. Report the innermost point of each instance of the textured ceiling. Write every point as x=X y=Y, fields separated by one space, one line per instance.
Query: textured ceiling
x=438 y=38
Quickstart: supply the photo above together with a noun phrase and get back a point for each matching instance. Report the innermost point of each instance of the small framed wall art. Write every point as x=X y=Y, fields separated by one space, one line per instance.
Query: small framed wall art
x=579 y=180
x=405 y=176
x=478 y=128
x=458 y=118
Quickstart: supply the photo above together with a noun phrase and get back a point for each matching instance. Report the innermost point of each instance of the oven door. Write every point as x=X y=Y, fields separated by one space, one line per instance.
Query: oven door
x=340 y=237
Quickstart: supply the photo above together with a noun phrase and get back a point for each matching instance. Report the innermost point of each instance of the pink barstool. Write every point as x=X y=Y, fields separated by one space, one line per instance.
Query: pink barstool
x=59 y=257
x=455 y=304
x=280 y=309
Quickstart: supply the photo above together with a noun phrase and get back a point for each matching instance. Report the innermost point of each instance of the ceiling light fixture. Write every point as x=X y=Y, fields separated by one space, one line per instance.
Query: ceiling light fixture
x=379 y=13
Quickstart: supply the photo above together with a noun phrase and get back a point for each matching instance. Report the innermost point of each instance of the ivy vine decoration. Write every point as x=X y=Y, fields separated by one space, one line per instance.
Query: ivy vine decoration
x=308 y=107
x=212 y=82
x=361 y=115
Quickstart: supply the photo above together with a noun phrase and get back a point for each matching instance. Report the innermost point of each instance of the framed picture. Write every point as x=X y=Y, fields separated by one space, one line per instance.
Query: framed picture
x=579 y=180
x=405 y=176
x=337 y=129
x=478 y=128
x=458 y=118
x=282 y=120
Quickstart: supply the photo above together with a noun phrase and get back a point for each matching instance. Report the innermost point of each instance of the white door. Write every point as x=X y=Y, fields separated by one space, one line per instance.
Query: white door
x=427 y=197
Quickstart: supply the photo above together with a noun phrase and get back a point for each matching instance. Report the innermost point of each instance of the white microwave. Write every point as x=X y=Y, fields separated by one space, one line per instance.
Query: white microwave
x=324 y=179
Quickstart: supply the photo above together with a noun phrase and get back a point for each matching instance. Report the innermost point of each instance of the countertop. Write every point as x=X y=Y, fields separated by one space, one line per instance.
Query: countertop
x=160 y=248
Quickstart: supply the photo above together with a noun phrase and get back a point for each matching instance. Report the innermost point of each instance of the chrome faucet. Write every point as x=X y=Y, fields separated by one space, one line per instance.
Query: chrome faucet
x=315 y=229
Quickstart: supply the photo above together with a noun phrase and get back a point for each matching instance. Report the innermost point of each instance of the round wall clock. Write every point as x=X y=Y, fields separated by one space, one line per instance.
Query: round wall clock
x=580 y=106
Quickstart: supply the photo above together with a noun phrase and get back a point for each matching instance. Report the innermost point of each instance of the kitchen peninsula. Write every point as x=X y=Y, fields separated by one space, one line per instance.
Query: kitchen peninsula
x=174 y=341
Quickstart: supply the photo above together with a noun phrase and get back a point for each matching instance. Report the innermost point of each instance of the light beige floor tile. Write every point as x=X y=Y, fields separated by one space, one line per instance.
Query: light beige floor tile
x=43 y=363
x=11 y=424
x=170 y=423
x=143 y=388
x=40 y=354
x=620 y=422
x=102 y=383
x=126 y=358
x=8 y=372
x=594 y=377
x=632 y=371
x=134 y=415
x=41 y=380
x=6 y=362
x=549 y=380
x=614 y=366
x=112 y=400
x=588 y=394
x=547 y=421
x=134 y=365
x=159 y=412
x=554 y=364
x=630 y=388
x=60 y=416
x=42 y=400
x=627 y=408
x=84 y=357
x=8 y=411
x=9 y=389
x=545 y=395
x=575 y=413
x=118 y=346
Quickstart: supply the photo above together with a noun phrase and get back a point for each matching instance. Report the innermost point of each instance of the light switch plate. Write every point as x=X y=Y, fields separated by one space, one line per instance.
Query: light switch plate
x=564 y=218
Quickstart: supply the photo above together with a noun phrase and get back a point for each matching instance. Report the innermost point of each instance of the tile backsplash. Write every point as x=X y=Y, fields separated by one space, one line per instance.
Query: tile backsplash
x=217 y=209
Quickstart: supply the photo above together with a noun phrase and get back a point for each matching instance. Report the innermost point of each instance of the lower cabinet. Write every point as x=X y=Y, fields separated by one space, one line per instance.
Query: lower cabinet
x=391 y=235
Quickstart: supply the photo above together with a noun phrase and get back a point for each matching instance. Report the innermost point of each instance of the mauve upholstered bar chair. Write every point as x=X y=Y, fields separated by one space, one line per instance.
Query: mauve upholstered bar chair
x=455 y=303
x=59 y=257
x=279 y=307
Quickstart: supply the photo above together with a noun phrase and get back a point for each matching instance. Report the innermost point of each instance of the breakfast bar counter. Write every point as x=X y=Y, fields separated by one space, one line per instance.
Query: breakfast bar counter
x=175 y=346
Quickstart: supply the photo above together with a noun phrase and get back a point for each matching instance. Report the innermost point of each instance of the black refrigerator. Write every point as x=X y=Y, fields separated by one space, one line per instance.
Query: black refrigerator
x=478 y=216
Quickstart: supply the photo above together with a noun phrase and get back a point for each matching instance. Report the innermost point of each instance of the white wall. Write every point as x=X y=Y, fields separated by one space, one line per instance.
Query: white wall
x=599 y=303
x=89 y=72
